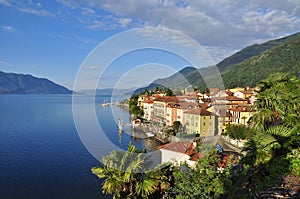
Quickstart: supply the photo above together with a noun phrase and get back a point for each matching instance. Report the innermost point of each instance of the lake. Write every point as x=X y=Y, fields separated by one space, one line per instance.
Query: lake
x=41 y=154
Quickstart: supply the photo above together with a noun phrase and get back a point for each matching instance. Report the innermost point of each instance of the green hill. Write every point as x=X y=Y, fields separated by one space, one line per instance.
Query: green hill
x=253 y=50
x=282 y=58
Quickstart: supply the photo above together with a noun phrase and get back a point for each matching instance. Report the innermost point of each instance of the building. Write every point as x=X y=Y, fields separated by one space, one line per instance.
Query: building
x=246 y=94
x=239 y=94
x=236 y=89
x=148 y=108
x=178 y=153
x=175 y=111
x=171 y=115
x=240 y=114
x=141 y=100
x=159 y=112
x=230 y=100
x=214 y=91
x=200 y=121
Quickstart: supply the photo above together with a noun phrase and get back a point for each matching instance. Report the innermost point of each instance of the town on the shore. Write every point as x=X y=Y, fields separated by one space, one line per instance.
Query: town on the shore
x=196 y=113
x=179 y=121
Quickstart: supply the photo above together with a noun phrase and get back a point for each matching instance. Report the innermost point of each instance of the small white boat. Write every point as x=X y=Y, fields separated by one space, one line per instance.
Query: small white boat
x=150 y=134
x=104 y=103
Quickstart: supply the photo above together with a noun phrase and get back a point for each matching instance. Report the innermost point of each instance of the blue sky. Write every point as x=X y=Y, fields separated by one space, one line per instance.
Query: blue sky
x=52 y=38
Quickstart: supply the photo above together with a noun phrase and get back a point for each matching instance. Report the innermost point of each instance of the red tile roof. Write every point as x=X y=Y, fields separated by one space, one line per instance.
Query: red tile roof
x=200 y=111
x=181 y=147
x=167 y=99
x=229 y=93
x=148 y=101
x=197 y=156
x=240 y=108
x=234 y=98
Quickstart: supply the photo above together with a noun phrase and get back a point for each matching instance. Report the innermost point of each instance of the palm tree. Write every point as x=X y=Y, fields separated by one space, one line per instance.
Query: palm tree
x=122 y=174
x=277 y=102
x=163 y=177
x=277 y=119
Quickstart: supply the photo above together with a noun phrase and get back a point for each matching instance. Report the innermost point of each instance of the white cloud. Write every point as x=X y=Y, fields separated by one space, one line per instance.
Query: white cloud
x=8 y=28
x=89 y=12
x=27 y=7
x=35 y=12
x=96 y=25
x=124 y=22
x=226 y=24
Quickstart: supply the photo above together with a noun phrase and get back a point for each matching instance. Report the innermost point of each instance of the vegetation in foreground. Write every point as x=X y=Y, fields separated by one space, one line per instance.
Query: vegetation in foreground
x=270 y=168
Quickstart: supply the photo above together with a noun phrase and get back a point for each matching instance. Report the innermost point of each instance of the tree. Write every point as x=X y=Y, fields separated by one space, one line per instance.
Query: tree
x=146 y=92
x=176 y=125
x=204 y=181
x=237 y=131
x=123 y=176
x=277 y=118
x=156 y=89
x=277 y=102
x=133 y=106
x=169 y=92
x=276 y=141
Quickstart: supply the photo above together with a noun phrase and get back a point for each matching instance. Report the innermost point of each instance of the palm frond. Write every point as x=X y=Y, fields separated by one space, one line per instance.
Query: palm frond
x=281 y=131
x=146 y=187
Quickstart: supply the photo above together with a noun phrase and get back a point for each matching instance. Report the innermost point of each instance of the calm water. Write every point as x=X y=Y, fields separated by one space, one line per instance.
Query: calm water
x=41 y=155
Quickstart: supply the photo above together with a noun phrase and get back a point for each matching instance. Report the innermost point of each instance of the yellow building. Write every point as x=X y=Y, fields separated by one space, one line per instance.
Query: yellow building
x=141 y=100
x=223 y=116
x=237 y=89
x=200 y=121
x=240 y=114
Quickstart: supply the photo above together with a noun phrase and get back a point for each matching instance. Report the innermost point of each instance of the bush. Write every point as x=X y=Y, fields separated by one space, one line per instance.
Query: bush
x=294 y=158
x=239 y=132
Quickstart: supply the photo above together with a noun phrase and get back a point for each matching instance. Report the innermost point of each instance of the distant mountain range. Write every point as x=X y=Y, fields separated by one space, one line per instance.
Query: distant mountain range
x=108 y=92
x=12 y=83
x=244 y=68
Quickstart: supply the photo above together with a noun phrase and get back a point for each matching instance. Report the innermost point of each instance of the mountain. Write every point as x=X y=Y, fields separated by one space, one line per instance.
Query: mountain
x=108 y=92
x=252 y=50
x=284 y=58
x=244 y=68
x=176 y=81
x=12 y=83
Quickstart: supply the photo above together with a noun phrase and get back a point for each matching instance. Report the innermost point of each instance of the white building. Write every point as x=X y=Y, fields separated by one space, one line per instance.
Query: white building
x=148 y=108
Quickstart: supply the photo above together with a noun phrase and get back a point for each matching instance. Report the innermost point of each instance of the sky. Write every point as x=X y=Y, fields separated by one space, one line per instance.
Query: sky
x=55 y=38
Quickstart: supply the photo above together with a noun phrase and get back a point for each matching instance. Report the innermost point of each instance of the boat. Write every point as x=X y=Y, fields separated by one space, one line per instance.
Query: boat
x=105 y=104
x=149 y=134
